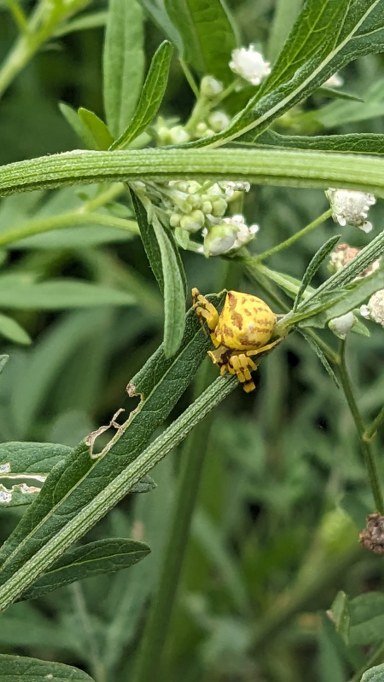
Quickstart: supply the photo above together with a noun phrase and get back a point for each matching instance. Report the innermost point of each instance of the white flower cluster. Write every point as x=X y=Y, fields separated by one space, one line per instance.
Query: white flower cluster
x=350 y=207
x=248 y=63
x=199 y=209
x=374 y=310
x=344 y=254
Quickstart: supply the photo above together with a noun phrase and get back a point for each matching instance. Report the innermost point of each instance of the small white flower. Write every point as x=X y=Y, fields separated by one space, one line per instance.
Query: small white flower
x=248 y=63
x=334 y=81
x=375 y=308
x=342 y=325
x=230 y=187
x=228 y=235
x=210 y=87
x=350 y=207
x=218 y=120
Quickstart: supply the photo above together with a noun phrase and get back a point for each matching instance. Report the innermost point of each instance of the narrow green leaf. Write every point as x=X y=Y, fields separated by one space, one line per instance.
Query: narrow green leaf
x=151 y=96
x=77 y=125
x=206 y=35
x=174 y=291
x=375 y=674
x=312 y=53
x=82 y=23
x=123 y=62
x=80 y=480
x=149 y=240
x=354 y=143
x=98 y=130
x=13 y=331
x=94 y=558
x=16 y=668
x=340 y=615
x=285 y=14
x=313 y=267
x=25 y=294
x=346 y=299
x=315 y=347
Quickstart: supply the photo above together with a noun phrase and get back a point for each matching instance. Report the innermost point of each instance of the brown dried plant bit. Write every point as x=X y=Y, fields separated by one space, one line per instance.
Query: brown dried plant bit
x=372 y=537
x=92 y=437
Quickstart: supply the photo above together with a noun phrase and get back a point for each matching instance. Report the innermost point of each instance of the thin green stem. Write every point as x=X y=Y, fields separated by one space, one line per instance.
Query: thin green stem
x=371 y=430
x=18 y=15
x=295 y=237
x=366 y=446
x=157 y=626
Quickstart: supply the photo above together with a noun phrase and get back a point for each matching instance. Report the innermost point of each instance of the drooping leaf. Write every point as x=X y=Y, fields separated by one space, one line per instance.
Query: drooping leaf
x=16 y=668
x=94 y=558
x=314 y=265
x=150 y=98
x=168 y=269
x=77 y=125
x=320 y=354
x=206 y=35
x=312 y=53
x=123 y=62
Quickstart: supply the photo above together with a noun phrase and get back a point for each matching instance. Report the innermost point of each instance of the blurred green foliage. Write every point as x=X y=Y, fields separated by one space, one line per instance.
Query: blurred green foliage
x=271 y=541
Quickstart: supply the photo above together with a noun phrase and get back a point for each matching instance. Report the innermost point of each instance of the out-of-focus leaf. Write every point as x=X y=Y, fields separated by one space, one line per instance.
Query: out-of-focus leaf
x=21 y=292
x=150 y=98
x=16 y=668
x=206 y=33
x=123 y=62
x=83 y=23
x=367 y=618
x=94 y=558
x=13 y=331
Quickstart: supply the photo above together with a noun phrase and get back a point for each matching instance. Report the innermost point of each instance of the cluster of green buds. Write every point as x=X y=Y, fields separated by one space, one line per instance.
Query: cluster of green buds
x=196 y=212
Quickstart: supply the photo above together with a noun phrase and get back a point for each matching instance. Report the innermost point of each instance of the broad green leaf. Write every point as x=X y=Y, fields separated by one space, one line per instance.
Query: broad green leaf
x=313 y=267
x=174 y=290
x=151 y=96
x=13 y=331
x=375 y=674
x=367 y=618
x=206 y=35
x=16 y=668
x=25 y=626
x=94 y=558
x=21 y=292
x=312 y=53
x=123 y=62
x=354 y=143
x=24 y=468
x=102 y=138
x=80 y=481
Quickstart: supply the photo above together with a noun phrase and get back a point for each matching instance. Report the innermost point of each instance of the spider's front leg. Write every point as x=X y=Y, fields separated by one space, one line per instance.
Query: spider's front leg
x=207 y=312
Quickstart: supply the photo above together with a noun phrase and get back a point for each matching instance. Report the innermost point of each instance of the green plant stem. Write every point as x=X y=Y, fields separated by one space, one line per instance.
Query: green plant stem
x=371 y=430
x=366 y=446
x=157 y=626
x=295 y=237
x=96 y=663
x=63 y=221
x=276 y=166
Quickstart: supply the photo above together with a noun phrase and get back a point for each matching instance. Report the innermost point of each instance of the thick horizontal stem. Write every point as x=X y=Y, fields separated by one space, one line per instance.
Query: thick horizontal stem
x=262 y=166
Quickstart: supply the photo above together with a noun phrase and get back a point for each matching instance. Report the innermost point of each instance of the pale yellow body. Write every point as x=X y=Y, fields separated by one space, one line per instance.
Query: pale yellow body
x=242 y=329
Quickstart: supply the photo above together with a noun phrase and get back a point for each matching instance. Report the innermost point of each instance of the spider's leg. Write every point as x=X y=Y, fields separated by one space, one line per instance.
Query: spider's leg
x=205 y=311
x=242 y=366
x=264 y=349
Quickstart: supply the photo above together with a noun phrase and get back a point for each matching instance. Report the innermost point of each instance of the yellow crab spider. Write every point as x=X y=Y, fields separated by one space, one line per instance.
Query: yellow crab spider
x=242 y=330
